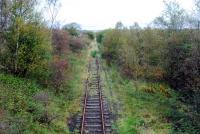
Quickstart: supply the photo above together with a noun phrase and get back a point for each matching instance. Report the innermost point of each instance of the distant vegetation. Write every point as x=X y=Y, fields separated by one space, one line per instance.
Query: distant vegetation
x=168 y=51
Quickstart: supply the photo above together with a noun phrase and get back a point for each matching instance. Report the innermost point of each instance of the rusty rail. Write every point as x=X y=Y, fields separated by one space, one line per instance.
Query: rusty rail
x=100 y=102
x=100 y=99
x=84 y=108
x=101 y=107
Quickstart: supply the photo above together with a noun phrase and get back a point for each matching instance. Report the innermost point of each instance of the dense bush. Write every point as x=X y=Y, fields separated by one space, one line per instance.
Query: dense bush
x=90 y=35
x=160 y=55
x=26 y=50
x=60 y=41
x=59 y=67
x=76 y=44
x=26 y=107
x=136 y=51
x=99 y=37
x=64 y=44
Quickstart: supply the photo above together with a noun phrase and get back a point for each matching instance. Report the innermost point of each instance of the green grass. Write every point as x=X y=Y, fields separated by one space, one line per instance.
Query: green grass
x=77 y=73
x=141 y=107
x=19 y=110
x=24 y=103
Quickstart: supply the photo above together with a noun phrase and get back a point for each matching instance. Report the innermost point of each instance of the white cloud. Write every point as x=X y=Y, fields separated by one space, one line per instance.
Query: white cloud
x=101 y=14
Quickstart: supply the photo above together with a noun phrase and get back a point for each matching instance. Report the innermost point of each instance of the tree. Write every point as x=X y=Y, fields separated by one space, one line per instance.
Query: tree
x=173 y=17
x=4 y=15
x=72 y=28
x=135 y=26
x=119 y=25
x=197 y=4
x=4 y=22
x=26 y=42
x=53 y=8
x=197 y=13
x=21 y=11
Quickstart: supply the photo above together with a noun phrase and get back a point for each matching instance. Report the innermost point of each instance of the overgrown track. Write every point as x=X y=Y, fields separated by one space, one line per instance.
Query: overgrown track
x=96 y=115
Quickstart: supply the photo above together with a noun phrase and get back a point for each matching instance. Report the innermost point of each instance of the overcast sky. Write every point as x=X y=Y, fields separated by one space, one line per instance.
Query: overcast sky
x=102 y=14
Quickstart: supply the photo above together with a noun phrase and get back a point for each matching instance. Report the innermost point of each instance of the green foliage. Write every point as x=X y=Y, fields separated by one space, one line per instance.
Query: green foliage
x=159 y=55
x=91 y=35
x=147 y=107
x=182 y=122
x=111 y=42
x=94 y=54
x=27 y=46
x=136 y=51
x=99 y=37
x=126 y=126
x=73 y=29
x=136 y=110
x=17 y=102
x=33 y=51
x=25 y=108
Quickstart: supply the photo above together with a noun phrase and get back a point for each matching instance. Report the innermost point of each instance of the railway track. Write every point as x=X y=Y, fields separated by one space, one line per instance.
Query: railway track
x=96 y=116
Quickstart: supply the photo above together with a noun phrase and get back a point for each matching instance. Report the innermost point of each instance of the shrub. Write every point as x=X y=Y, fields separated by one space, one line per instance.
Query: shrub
x=59 y=67
x=99 y=37
x=94 y=54
x=33 y=52
x=60 y=40
x=76 y=45
x=90 y=35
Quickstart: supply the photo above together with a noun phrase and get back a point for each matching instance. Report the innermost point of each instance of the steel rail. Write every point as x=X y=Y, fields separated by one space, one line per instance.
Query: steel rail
x=100 y=96
x=100 y=100
x=84 y=108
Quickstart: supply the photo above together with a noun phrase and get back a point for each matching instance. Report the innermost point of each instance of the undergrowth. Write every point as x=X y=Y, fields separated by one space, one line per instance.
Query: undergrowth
x=141 y=107
x=28 y=108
